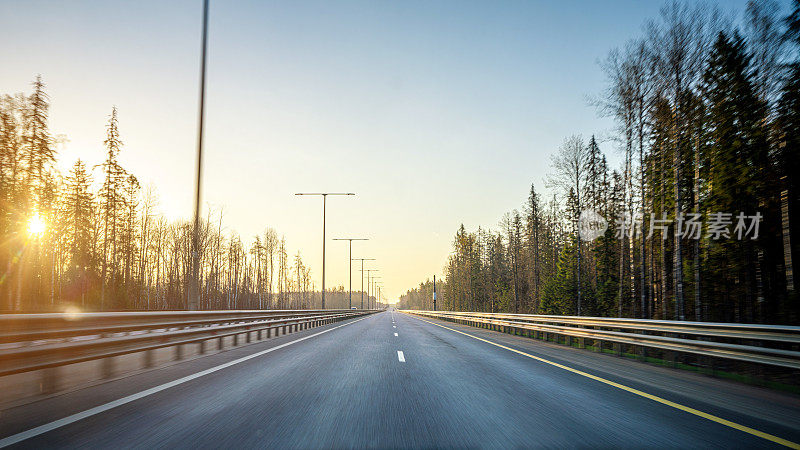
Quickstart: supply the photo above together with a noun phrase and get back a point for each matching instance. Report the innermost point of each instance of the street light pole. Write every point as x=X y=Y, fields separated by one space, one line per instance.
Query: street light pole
x=434 y=292
x=324 y=202
x=374 y=287
x=362 y=276
x=350 y=266
x=378 y=287
x=368 y=282
x=193 y=300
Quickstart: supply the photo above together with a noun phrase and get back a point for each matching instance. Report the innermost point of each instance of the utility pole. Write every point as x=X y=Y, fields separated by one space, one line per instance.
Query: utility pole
x=324 y=202
x=350 y=266
x=193 y=300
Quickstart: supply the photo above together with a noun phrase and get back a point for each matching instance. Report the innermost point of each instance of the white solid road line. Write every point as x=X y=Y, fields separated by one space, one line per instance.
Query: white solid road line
x=400 y=356
x=395 y=334
x=41 y=429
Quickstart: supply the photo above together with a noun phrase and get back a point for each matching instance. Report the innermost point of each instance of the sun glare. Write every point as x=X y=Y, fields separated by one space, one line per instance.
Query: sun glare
x=36 y=225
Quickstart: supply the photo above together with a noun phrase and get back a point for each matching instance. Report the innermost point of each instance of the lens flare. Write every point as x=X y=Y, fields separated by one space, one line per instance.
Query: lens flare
x=72 y=312
x=36 y=225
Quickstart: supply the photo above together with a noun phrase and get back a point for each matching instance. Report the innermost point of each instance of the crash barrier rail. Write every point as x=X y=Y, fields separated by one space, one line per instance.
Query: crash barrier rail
x=772 y=345
x=30 y=342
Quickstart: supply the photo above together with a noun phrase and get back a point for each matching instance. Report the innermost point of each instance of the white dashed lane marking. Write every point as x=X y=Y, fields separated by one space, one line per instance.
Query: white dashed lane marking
x=395 y=334
x=400 y=356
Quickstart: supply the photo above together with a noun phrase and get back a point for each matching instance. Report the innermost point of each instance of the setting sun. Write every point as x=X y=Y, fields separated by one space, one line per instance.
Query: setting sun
x=36 y=225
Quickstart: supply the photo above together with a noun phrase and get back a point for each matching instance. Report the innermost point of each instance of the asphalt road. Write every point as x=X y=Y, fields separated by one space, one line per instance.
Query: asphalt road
x=349 y=387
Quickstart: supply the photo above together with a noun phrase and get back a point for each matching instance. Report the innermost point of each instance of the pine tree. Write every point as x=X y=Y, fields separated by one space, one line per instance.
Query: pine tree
x=111 y=202
x=789 y=163
x=738 y=169
x=39 y=151
x=533 y=235
x=79 y=212
x=128 y=238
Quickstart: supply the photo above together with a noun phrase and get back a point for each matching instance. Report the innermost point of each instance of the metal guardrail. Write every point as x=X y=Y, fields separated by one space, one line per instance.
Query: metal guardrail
x=773 y=345
x=30 y=342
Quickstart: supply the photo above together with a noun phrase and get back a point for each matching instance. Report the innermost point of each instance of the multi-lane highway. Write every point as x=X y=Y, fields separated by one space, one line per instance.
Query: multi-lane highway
x=395 y=380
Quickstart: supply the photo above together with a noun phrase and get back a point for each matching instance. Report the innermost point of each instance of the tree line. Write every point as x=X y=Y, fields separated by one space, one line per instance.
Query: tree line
x=421 y=297
x=92 y=238
x=702 y=214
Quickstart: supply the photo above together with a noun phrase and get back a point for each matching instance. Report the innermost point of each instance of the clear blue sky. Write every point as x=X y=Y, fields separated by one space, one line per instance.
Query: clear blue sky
x=434 y=113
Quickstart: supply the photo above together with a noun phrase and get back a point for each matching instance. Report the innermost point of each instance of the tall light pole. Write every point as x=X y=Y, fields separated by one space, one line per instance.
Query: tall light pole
x=434 y=292
x=374 y=289
x=324 y=201
x=362 y=276
x=350 y=266
x=368 y=281
x=193 y=300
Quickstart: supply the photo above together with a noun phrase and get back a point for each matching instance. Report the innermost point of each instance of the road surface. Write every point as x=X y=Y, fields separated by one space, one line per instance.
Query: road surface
x=393 y=380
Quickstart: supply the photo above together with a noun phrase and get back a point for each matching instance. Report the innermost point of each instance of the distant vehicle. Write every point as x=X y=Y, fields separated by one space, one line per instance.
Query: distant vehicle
x=353 y=307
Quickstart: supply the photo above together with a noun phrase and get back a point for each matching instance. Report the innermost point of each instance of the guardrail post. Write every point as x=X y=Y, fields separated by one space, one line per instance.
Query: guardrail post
x=219 y=343
x=247 y=337
x=148 y=358
x=49 y=381
x=178 y=352
x=235 y=340
x=568 y=340
x=581 y=343
x=202 y=347
x=108 y=367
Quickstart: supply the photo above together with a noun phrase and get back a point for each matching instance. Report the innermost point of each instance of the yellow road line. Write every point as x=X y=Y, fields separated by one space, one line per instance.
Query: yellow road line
x=655 y=398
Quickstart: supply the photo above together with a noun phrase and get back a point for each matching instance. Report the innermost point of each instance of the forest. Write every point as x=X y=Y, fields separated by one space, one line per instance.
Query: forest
x=93 y=238
x=702 y=210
